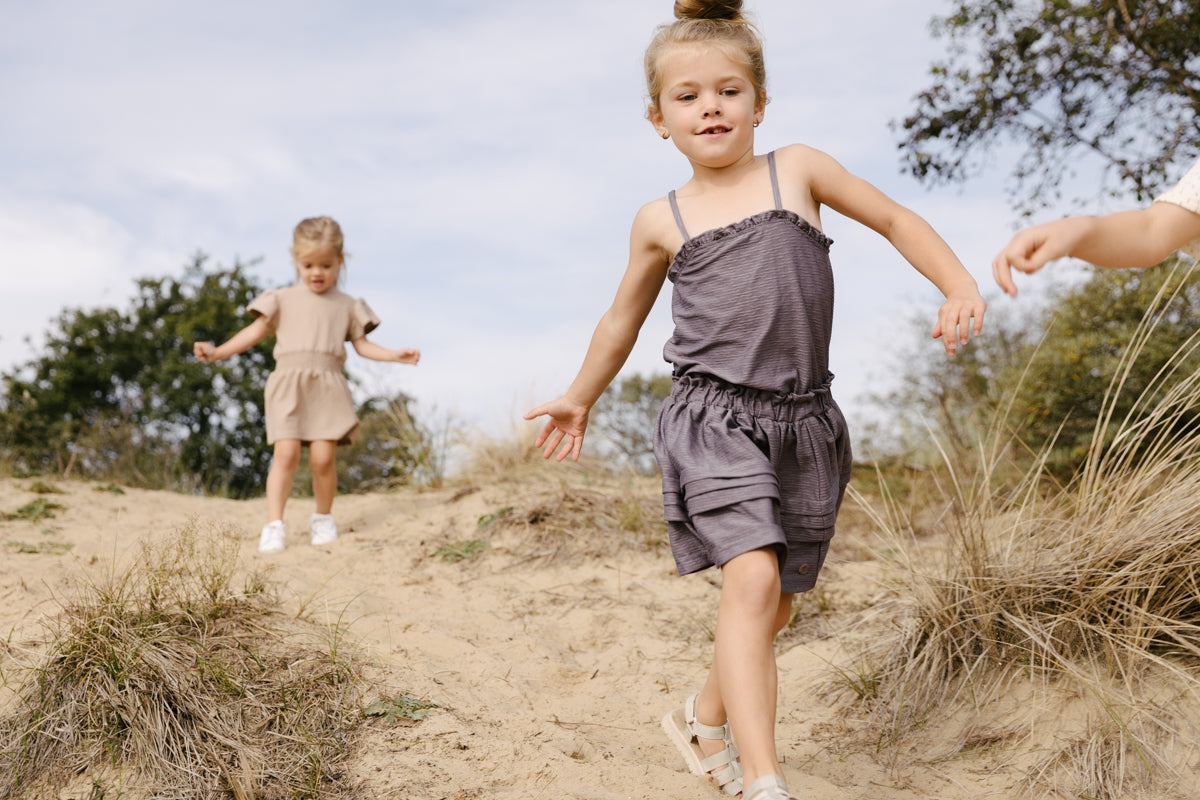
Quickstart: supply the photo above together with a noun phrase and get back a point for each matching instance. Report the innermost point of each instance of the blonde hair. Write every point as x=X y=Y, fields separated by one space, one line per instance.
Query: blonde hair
x=318 y=233
x=719 y=23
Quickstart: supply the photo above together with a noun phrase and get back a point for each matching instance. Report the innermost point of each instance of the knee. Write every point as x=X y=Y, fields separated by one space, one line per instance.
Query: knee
x=321 y=461
x=752 y=582
x=286 y=458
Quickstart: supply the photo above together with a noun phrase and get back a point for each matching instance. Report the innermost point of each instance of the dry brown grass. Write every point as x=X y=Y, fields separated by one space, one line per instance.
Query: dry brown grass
x=1092 y=587
x=175 y=679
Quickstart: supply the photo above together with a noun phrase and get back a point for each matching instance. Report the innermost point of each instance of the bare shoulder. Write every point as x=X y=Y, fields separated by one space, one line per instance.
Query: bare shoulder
x=802 y=160
x=654 y=230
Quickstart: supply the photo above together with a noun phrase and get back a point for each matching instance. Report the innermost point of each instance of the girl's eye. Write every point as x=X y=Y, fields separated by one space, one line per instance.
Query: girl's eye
x=687 y=98
x=729 y=92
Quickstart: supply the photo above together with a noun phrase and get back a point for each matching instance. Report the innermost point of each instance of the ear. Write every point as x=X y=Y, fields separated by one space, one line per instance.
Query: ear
x=656 y=119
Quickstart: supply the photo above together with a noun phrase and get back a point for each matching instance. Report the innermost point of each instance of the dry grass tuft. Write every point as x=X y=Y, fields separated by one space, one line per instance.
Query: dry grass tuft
x=184 y=683
x=569 y=523
x=1095 y=586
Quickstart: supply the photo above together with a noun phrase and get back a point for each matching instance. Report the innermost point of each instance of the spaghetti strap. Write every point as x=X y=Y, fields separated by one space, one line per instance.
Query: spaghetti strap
x=678 y=219
x=774 y=182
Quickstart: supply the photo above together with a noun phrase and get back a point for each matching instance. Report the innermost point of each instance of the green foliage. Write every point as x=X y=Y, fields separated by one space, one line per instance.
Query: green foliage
x=1118 y=80
x=1047 y=375
x=33 y=511
x=462 y=551
x=401 y=708
x=625 y=417
x=118 y=394
x=1064 y=393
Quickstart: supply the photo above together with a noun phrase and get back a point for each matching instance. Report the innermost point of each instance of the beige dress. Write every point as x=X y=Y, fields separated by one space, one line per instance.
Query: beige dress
x=1186 y=194
x=307 y=397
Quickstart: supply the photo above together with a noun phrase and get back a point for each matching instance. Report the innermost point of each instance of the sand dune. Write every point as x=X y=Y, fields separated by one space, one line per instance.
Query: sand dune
x=551 y=654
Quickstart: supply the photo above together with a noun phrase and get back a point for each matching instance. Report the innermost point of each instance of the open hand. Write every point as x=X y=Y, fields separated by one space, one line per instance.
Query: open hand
x=566 y=425
x=954 y=325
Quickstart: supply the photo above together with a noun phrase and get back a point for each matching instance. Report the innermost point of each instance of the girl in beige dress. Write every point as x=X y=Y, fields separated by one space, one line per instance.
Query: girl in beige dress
x=308 y=401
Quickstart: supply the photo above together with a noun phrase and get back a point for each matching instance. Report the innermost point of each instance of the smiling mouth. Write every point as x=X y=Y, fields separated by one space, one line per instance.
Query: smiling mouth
x=714 y=129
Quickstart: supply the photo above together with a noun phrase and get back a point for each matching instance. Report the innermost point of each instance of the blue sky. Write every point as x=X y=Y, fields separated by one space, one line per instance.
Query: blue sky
x=484 y=159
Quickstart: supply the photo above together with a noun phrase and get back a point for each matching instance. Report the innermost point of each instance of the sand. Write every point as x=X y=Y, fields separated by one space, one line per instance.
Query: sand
x=551 y=660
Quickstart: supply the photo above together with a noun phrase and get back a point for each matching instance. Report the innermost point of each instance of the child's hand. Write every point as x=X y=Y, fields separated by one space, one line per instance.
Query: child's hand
x=1033 y=248
x=567 y=423
x=954 y=326
x=408 y=355
x=205 y=351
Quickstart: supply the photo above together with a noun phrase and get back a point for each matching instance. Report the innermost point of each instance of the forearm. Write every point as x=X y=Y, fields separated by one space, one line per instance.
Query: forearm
x=607 y=352
x=928 y=253
x=1139 y=238
x=368 y=349
x=242 y=341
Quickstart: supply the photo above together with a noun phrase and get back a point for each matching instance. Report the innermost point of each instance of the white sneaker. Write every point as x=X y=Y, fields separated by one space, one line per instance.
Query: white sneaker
x=272 y=539
x=323 y=529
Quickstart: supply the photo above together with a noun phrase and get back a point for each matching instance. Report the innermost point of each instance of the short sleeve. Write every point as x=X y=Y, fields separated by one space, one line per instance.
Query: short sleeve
x=362 y=321
x=266 y=305
x=1186 y=194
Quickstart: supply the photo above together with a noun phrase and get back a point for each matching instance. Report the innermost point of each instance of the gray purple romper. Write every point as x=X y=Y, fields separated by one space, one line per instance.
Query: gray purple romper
x=753 y=450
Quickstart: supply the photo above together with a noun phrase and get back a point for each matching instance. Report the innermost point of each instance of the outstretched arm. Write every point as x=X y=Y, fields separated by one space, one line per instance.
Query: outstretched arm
x=368 y=349
x=611 y=344
x=961 y=315
x=243 y=340
x=1132 y=239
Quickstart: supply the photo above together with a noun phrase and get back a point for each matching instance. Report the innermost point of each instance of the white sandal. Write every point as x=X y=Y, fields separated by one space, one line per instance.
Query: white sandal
x=769 y=787
x=684 y=730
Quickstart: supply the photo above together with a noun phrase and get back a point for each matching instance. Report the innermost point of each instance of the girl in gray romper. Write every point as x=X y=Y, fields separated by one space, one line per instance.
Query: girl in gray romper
x=753 y=450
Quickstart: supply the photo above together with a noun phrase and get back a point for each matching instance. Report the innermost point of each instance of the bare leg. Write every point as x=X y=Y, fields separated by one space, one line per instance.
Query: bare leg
x=279 y=479
x=322 y=458
x=743 y=680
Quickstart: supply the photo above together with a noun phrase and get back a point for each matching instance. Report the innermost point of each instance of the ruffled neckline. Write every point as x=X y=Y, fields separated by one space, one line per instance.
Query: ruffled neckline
x=735 y=228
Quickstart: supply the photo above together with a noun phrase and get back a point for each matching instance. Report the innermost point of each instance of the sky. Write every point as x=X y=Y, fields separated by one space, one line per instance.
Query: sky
x=485 y=161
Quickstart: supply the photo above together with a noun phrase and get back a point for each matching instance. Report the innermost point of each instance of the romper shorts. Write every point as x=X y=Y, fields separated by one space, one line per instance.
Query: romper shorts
x=745 y=469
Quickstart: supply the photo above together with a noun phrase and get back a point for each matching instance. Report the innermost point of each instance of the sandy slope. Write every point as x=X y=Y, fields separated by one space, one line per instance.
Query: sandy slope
x=552 y=659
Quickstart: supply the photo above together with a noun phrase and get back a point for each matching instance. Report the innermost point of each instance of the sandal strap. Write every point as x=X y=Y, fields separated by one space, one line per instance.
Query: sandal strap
x=768 y=787
x=698 y=728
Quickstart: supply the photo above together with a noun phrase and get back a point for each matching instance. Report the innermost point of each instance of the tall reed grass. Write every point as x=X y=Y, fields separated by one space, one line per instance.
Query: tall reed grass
x=1091 y=588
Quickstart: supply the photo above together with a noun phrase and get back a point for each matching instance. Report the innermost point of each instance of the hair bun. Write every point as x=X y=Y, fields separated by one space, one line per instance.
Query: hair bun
x=708 y=9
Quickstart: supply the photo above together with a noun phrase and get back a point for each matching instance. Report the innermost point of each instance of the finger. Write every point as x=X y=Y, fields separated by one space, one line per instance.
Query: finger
x=949 y=336
x=552 y=443
x=537 y=412
x=964 y=326
x=544 y=434
x=1002 y=272
x=568 y=445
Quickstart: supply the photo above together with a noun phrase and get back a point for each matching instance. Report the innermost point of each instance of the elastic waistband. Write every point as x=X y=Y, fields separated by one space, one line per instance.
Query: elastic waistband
x=783 y=406
x=307 y=359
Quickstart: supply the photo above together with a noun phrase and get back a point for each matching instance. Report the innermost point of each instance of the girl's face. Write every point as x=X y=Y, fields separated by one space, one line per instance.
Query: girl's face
x=318 y=268
x=707 y=106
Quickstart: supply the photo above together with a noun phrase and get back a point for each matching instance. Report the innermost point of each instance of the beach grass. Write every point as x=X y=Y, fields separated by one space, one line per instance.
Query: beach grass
x=1089 y=590
x=178 y=677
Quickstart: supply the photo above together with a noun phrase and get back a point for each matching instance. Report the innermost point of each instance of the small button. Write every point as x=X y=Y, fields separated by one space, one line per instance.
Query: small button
x=803 y=569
